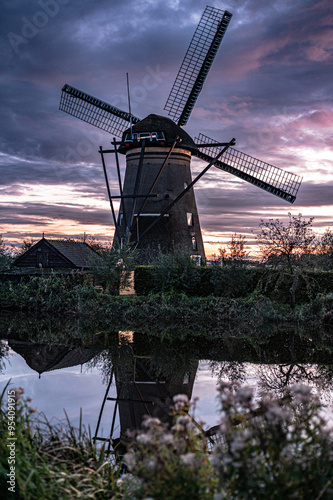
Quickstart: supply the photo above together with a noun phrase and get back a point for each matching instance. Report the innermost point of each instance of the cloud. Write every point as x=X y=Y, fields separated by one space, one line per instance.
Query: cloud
x=269 y=86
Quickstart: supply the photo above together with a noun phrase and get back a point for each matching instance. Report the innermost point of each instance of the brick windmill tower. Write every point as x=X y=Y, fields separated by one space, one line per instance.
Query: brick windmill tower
x=158 y=169
x=157 y=202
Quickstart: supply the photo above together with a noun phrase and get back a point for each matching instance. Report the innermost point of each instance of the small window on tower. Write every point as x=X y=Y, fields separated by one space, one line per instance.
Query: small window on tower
x=121 y=217
x=189 y=219
x=196 y=259
x=185 y=185
x=194 y=243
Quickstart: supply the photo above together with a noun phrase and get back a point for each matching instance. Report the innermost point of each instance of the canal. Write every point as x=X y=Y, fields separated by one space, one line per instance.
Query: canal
x=110 y=379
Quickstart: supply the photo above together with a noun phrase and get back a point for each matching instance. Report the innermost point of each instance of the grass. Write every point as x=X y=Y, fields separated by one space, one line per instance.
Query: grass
x=62 y=295
x=51 y=461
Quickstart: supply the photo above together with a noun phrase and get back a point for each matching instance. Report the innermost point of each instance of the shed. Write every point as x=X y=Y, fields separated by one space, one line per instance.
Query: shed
x=57 y=254
x=44 y=357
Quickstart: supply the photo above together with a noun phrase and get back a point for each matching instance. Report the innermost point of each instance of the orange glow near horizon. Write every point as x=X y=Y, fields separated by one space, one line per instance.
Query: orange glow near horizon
x=53 y=229
x=68 y=198
x=15 y=234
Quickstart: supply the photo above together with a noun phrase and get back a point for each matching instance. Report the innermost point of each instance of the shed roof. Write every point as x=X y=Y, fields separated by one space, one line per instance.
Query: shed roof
x=45 y=357
x=77 y=253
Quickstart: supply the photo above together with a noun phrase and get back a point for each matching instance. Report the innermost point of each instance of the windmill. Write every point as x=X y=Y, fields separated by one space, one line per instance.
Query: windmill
x=157 y=202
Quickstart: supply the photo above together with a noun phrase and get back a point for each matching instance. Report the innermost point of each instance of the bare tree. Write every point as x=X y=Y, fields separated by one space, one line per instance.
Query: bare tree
x=28 y=243
x=287 y=246
x=5 y=255
x=236 y=247
x=235 y=252
x=220 y=259
x=325 y=249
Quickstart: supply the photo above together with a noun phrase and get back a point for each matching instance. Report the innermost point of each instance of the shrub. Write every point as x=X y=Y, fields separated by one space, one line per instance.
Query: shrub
x=317 y=309
x=233 y=281
x=143 y=280
x=272 y=449
x=171 y=463
x=112 y=267
x=51 y=461
x=174 y=272
x=53 y=293
x=279 y=449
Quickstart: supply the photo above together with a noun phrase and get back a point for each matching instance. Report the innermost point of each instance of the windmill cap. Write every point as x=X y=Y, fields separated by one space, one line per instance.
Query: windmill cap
x=157 y=123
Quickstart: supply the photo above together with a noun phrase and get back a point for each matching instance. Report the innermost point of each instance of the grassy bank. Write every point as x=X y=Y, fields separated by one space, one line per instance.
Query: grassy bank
x=57 y=295
x=47 y=461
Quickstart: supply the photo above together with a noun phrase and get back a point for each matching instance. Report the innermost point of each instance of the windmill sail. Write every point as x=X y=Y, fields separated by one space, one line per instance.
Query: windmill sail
x=196 y=64
x=94 y=111
x=272 y=179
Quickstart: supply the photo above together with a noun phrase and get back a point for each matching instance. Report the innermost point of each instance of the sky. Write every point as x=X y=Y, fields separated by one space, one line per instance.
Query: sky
x=270 y=87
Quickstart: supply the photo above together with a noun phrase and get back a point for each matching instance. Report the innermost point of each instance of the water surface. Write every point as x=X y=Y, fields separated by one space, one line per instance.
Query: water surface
x=140 y=374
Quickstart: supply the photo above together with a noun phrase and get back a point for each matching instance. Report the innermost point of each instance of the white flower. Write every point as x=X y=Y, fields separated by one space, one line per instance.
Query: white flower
x=180 y=402
x=277 y=413
x=225 y=425
x=188 y=459
x=166 y=438
x=151 y=422
x=237 y=445
x=177 y=428
x=125 y=478
x=18 y=392
x=144 y=438
x=130 y=460
x=152 y=464
x=184 y=420
x=180 y=398
x=223 y=386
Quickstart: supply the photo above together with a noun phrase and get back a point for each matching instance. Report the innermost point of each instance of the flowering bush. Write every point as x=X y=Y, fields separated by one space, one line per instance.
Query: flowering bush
x=170 y=463
x=268 y=449
x=275 y=449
